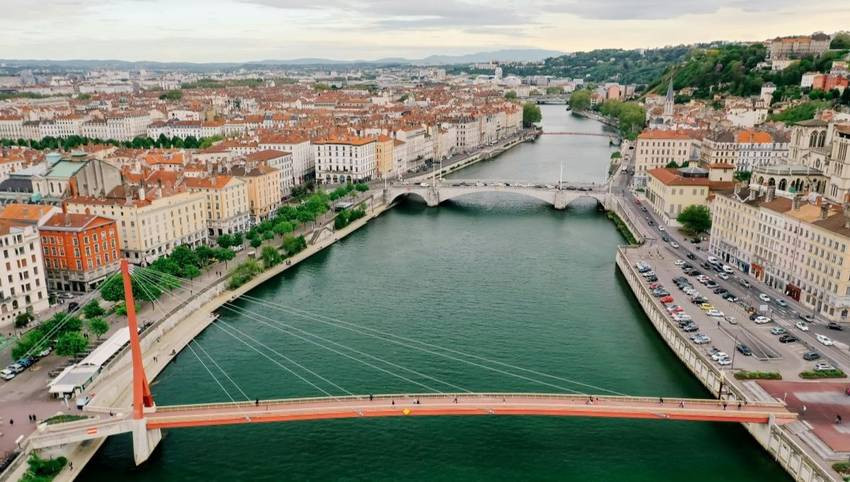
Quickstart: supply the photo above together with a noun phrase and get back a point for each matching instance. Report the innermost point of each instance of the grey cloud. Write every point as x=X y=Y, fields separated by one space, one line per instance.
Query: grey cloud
x=656 y=9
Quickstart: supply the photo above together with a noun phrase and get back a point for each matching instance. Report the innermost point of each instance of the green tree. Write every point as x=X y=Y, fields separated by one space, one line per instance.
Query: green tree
x=841 y=41
x=92 y=310
x=173 y=95
x=580 y=100
x=531 y=114
x=271 y=256
x=98 y=326
x=256 y=242
x=292 y=244
x=361 y=187
x=510 y=95
x=672 y=165
x=71 y=344
x=743 y=176
x=23 y=319
x=224 y=254
x=695 y=218
x=43 y=470
x=225 y=241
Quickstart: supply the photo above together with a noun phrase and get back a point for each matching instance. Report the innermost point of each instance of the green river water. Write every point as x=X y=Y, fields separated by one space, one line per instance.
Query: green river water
x=500 y=276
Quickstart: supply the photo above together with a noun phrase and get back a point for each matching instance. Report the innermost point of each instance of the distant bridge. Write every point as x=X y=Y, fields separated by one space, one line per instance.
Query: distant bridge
x=573 y=133
x=559 y=196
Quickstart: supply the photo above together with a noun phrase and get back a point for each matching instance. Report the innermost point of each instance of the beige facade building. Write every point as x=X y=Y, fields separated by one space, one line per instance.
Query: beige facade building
x=263 y=184
x=227 y=203
x=151 y=221
x=656 y=148
x=670 y=191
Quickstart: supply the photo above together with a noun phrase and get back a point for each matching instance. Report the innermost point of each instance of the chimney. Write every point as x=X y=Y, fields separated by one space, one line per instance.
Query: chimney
x=795 y=202
x=846 y=212
x=771 y=192
x=824 y=211
x=141 y=193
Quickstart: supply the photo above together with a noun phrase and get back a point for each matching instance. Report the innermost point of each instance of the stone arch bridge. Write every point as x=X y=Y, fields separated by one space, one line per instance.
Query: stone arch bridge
x=559 y=196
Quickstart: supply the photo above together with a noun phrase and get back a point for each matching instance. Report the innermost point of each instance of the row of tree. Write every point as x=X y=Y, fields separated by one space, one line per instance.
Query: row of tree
x=72 y=142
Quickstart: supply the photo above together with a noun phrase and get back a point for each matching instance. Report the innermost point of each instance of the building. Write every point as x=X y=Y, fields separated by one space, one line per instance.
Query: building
x=656 y=148
x=263 y=185
x=227 y=203
x=385 y=167
x=783 y=48
x=80 y=251
x=151 y=221
x=341 y=159
x=745 y=148
x=670 y=191
x=282 y=161
x=23 y=283
x=798 y=245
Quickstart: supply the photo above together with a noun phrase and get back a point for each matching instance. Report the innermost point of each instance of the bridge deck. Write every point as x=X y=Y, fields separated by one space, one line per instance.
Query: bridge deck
x=466 y=404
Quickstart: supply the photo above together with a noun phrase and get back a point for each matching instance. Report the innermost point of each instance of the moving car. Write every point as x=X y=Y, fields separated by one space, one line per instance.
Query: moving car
x=787 y=339
x=764 y=297
x=674 y=244
x=715 y=313
x=782 y=303
x=834 y=326
x=728 y=269
x=679 y=262
x=807 y=318
x=801 y=325
x=723 y=276
x=744 y=283
x=824 y=340
x=761 y=320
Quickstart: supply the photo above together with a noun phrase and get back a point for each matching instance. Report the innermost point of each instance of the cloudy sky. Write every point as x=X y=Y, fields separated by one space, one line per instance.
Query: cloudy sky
x=244 y=30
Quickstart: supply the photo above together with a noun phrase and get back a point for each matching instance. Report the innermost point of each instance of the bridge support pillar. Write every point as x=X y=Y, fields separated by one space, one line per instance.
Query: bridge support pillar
x=432 y=198
x=144 y=441
x=560 y=201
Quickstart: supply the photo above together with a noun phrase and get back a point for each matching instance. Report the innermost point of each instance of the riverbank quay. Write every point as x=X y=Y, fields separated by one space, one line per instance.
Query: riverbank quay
x=796 y=447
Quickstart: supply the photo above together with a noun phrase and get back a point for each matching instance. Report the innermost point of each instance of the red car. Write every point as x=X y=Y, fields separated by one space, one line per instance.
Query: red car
x=666 y=299
x=637 y=201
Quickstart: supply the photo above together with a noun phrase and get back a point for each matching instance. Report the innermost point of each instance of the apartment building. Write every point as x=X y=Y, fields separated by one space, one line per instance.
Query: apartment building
x=341 y=159
x=23 y=283
x=798 y=245
x=656 y=148
x=227 y=203
x=151 y=220
x=745 y=148
x=280 y=160
x=670 y=191
x=298 y=146
x=263 y=184
x=80 y=251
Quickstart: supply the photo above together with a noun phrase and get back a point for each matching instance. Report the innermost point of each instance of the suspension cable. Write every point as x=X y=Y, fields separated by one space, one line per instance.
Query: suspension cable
x=392 y=338
x=205 y=352
x=210 y=372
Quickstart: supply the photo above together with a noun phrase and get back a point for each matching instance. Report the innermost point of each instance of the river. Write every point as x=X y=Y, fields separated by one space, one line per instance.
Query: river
x=503 y=277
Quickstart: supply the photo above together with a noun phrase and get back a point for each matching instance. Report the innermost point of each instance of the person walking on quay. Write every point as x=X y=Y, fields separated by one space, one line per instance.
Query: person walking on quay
x=371 y=397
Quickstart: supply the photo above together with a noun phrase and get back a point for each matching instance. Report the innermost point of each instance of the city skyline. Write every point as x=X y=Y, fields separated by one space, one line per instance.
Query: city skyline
x=252 y=30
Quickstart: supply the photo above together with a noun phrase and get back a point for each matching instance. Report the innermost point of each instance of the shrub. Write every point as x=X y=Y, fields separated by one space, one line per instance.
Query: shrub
x=41 y=470
x=746 y=375
x=98 y=326
x=93 y=310
x=293 y=245
x=271 y=256
x=811 y=374
x=243 y=273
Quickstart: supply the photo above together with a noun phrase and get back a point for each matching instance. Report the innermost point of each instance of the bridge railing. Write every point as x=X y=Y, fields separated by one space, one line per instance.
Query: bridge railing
x=565 y=185
x=690 y=402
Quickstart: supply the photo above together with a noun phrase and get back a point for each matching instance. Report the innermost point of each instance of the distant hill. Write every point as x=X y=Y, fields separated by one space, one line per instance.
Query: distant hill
x=517 y=55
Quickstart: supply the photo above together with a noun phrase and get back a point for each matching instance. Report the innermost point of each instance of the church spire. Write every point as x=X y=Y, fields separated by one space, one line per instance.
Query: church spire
x=668 y=102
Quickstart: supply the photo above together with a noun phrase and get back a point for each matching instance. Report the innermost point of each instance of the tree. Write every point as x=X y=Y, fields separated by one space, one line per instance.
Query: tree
x=93 y=310
x=171 y=95
x=23 y=319
x=271 y=256
x=695 y=218
x=225 y=241
x=98 y=326
x=845 y=96
x=361 y=187
x=510 y=95
x=293 y=245
x=743 y=176
x=840 y=41
x=71 y=344
x=256 y=242
x=530 y=114
x=580 y=100
x=672 y=165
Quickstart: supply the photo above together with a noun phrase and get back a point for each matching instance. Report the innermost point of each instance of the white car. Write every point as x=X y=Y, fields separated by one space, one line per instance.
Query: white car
x=825 y=340
x=712 y=260
x=760 y=320
x=823 y=367
x=719 y=355
x=764 y=297
x=682 y=317
x=715 y=313
x=679 y=262
x=723 y=276
x=802 y=325
x=674 y=244
x=7 y=374
x=724 y=361
x=728 y=269
x=661 y=228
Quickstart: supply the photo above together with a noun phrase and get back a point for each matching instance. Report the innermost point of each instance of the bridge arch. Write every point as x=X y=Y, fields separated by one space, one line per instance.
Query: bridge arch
x=450 y=193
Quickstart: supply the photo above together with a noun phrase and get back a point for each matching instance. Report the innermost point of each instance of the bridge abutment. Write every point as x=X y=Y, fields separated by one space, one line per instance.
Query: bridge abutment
x=144 y=441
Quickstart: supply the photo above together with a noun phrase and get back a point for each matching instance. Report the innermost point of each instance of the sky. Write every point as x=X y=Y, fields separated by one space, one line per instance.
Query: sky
x=247 y=30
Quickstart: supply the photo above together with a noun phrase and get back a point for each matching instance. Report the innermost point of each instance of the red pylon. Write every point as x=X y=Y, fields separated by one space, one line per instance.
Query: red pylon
x=141 y=390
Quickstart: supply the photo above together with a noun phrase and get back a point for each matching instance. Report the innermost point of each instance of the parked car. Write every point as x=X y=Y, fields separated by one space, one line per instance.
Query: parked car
x=802 y=326
x=7 y=374
x=679 y=262
x=727 y=269
x=824 y=340
x=713 y=260
x=834 y=326
x=787 y=339
x=782 y=302
x=744 y=283
x=744 y=349
x=724 y=361
x=674 y=244
x=690 y=256
x=778 y=330
x=720 y=291
x=811 y=356
x=711 y=284
x=761 y=320
x=723 y=276
x=715 y=313
x=807 y=318
x=823 y=367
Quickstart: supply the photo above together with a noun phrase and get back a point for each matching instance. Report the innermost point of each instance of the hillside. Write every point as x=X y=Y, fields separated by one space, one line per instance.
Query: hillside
x=626 y=66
